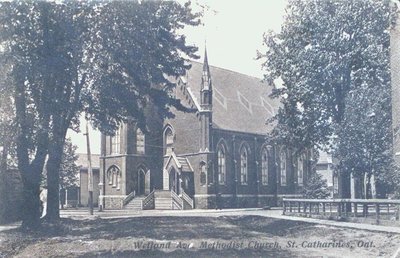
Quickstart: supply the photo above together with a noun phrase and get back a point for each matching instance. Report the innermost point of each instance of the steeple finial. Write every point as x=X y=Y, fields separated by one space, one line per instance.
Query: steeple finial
x=206 y=69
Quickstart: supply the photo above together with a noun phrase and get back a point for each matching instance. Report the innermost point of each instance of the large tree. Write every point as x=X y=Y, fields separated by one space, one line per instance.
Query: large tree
x=105 y=59
x=333 y=59
x=7 y=138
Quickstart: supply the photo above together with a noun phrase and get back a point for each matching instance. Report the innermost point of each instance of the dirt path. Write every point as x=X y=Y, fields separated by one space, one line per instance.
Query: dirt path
x=233 y=236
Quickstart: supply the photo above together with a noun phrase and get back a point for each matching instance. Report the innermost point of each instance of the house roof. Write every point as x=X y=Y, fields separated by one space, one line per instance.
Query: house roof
x=240 y=102
x=83 y=161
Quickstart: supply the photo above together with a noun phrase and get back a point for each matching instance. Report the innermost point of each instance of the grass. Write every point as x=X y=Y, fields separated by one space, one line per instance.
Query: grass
x=224 y=236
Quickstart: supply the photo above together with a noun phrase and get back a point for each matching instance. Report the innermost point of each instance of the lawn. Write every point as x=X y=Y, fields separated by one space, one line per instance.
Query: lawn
x=224 y=236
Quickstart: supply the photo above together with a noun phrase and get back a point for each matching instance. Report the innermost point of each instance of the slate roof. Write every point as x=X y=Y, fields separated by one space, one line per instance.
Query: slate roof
x=184 y=162
x=83 y=162
x=240 y=102
x=181 y=162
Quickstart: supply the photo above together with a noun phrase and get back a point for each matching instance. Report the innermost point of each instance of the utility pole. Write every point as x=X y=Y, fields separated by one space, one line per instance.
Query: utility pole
x=90 y=172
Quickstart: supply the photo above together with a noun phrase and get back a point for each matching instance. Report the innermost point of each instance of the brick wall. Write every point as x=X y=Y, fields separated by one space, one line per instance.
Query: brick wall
x=83 y=187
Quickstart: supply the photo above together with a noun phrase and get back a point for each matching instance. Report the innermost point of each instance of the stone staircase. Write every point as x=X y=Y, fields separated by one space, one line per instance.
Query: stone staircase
x=162 y=200
x=135 y=203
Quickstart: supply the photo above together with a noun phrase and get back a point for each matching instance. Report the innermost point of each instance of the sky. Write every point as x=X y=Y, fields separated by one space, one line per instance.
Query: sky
x=232 y=31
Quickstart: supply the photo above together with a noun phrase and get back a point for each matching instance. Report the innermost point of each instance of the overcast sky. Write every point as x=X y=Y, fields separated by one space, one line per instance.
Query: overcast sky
x=232 y=31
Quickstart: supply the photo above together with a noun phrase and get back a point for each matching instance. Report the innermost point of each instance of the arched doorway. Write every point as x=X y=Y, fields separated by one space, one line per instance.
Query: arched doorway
x=143 y=181
x=174 y=181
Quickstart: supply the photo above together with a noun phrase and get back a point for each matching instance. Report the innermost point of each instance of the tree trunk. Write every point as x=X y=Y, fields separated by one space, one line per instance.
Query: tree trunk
x=31 y=170
x=3 y=184
x=53 y=180
x=31 y=200
x=344 y=185
x=56 y=150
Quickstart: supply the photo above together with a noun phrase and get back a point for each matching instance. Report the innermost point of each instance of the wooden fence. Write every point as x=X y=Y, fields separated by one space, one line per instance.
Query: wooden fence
x=343 y=208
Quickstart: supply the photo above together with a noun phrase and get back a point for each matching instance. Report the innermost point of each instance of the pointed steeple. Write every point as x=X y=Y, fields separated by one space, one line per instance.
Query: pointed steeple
x=206 y=106
x=206 y=78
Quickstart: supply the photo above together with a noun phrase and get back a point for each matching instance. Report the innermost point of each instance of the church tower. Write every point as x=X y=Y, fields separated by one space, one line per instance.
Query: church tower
x=206 y=106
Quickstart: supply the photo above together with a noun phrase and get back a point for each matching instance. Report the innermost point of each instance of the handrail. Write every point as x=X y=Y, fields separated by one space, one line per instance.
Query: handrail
x=187 y=198
x=128 y=198
x=177 y=200
x=149 y=199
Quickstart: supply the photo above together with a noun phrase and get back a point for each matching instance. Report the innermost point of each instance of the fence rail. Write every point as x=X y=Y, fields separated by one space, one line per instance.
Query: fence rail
x=380 y=208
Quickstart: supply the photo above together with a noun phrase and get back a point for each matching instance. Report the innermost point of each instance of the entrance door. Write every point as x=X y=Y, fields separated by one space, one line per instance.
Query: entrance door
x=174 y=181
x=141 y=183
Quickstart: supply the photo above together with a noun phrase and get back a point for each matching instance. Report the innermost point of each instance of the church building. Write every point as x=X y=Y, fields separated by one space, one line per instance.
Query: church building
x=216 y=157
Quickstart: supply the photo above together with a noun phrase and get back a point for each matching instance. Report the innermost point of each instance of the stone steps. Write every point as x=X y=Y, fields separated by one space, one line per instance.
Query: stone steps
x=135 y=204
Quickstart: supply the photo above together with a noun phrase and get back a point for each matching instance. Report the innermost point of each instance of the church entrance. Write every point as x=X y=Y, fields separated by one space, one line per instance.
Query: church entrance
x=143 y=182
x=174 y=181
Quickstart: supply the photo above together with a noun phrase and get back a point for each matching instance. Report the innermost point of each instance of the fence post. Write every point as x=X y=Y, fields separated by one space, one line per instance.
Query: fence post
x=355 y=210
x=309 y=214
x=298 y=207
x=377 y=212
x=323 y=208
x=365 y=210
x=284 y=207
x=290 y=207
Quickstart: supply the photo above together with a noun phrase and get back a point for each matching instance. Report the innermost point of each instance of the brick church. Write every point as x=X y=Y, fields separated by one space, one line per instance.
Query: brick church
x=215 y=157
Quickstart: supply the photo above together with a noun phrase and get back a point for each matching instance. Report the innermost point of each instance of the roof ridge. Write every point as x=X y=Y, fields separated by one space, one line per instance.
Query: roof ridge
x=229 y=70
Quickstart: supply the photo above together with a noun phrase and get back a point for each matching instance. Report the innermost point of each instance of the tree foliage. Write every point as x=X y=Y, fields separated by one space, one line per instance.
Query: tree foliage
x=333 y=59
x=134 y=51
x=316 y=187
x=69 y=169
x=105 y=59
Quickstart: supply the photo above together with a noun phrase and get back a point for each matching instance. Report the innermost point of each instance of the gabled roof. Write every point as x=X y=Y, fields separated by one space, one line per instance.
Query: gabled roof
x=240 y=102
x=181 y=163
x=185 y=164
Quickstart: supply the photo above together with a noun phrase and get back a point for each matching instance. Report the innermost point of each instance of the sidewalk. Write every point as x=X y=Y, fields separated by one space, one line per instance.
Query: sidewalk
x=273 y=213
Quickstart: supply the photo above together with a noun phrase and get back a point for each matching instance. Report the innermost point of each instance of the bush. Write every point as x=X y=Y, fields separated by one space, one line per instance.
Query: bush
x=316 y=187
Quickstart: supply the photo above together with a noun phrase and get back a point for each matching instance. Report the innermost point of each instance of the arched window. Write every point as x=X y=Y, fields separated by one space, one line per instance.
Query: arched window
x=300 y=170
x=283 y=167
x=140 y=141
x=169 y=140
x=221 y=165
x=116 y=142
x=243 y=165
x=113 y=176
x=203 y=173
x=264 y=166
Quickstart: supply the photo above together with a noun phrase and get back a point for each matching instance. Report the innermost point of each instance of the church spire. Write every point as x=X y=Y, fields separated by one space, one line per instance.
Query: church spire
x=206 y=106
x=206 y=78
